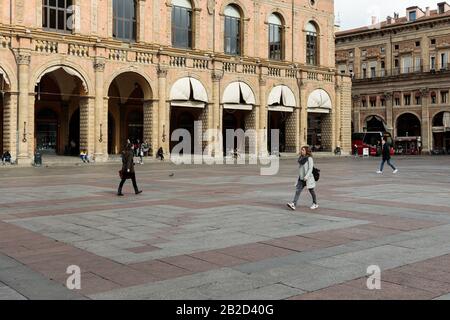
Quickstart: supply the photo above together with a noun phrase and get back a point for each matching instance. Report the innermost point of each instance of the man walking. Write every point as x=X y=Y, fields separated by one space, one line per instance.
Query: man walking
x=386 y=154
x=127 y=171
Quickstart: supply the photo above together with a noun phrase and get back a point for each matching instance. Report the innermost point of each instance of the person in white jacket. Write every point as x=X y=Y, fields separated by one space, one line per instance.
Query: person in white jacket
x=305 y=179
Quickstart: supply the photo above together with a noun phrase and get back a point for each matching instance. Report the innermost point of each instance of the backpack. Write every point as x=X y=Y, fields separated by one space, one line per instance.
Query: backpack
x=316 y=174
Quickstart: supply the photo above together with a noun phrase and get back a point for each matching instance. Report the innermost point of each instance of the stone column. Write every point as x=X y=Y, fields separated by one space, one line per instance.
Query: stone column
x=87 y=124
x=141 y=21
x=337 y=141
x=426 y=124
x=217 y=76
x=101 y=117
x=263 y=117
x=356 y=99
x=10 y=123
x=302 y=114
x=23 y=61
x=163 y=125
x=389 y=112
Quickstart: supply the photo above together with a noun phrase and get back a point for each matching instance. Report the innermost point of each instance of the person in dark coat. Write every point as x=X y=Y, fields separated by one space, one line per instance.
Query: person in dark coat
x=128 y=169
x=386 y=154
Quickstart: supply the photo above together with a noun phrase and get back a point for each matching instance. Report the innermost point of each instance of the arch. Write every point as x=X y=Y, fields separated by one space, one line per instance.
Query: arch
x=182 y=3
x=238 y=92
x=408 y=124
x=279 y=14
x=319 y=101
x=375 y=122
x=239 y=5
x=408 y=112
x=312 y=22
x=145 y=85
x=283 y=96
x=188 y=89
x=5 y=77
x=438 y=113
x=9 y=76
x=68 y=67
x=233 y=10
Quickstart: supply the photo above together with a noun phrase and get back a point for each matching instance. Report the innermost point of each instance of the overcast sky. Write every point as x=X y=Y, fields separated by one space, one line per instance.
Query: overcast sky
x=358 y=13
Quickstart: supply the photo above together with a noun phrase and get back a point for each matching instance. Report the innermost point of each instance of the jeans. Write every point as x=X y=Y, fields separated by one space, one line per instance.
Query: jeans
x=133 y=179
x=300 y=186
x=389 y=163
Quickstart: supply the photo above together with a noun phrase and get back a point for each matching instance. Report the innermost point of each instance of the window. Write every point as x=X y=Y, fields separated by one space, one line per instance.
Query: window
x=433 y=98
x=124 y=22
x=407 y=99
x=182 y=24
x=350 y=54
x=57 y=14
x=418 y=99
x=407 y=64
x=364 y=102
x=311 y=44
x=364 y=73
x=373 y=101
x=396 y=47
x=417 y=43
x=417 y=64
x=383 y=102
x=373 y=72
x=397 y=101
x=383 y=49
x=444 y=61
x=433 y=42
x=232 y=30
x=432 y=63
x=412 y=16
x=275 y=37
x=444 y=97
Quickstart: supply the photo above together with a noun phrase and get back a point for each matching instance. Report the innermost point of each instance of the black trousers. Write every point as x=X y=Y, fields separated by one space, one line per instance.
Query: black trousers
x=133 y=179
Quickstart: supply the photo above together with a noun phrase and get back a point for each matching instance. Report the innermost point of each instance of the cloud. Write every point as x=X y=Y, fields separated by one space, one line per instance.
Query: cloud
x=359 y=13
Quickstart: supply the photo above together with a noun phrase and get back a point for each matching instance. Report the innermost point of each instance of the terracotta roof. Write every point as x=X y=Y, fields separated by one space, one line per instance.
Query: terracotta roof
x=398 y=22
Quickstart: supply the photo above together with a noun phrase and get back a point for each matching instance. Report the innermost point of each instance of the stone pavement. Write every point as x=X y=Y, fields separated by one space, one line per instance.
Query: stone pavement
x=224 y=232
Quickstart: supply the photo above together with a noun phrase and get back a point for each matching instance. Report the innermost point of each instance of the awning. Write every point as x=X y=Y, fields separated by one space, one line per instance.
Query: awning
x=281 y=96
x=5 y=76
x=281 y=109
x=319 y=102
x=68 y=70
x=237 y=90
x=187 y=104
x=237 y=106
x=189 y=91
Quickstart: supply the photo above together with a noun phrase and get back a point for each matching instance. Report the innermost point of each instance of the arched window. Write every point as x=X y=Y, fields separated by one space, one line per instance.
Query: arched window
x=124 y=23
x=275 y=37
x=232 y=30
x=182 y=24
x=311 y=44
x=56 y=15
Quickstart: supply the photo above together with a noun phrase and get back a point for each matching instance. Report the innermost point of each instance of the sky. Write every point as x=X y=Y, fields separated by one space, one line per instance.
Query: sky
x=358 y=13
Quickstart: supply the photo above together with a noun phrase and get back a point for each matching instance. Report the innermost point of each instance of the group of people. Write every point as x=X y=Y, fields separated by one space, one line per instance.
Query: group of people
x=6 y=158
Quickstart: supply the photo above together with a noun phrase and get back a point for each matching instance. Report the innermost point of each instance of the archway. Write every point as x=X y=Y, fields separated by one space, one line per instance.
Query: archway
x=375 y=124
x=319 y=121
x=60 y=93
x=129 y=104
x=188 y=99
x=7 y=140
x=281 y=103
x=441 y=132
x=239 y=100
x=408 y=139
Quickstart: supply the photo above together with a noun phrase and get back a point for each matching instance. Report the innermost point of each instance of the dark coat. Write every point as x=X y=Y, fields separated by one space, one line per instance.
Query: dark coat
x=386 y=152
x=127 y=164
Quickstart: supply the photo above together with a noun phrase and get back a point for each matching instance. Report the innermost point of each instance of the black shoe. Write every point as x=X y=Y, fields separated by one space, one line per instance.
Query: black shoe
x=120 y=194
x=139 y=192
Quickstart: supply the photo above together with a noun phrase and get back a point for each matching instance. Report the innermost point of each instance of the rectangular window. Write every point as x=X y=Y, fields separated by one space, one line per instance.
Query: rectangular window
x=407 y=64
x=364 y=102
x=407 y=99
x=412 y=16
x=418 y=100
x=275 y=34
x=418 y=64
x=433 y=98
x=433 y=42
x=364 y=73
x=311 y=48
x=57 y=15
x=444 y=97
x=373 y=101
x=181 y=27
x=232 y=35
x=397 y=101
x=124 y=20
x=432 y=63
x=383 y=102
x=373 y=72
x=444 y=61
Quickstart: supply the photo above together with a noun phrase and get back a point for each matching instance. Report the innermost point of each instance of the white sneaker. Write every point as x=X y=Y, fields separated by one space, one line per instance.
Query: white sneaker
x=395 y=171
x=379 y=172
x=291 y=206
x=314 y=206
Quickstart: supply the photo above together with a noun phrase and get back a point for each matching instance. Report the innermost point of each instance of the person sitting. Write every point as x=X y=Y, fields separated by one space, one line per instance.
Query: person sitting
x=6 y=158
x=84 y=156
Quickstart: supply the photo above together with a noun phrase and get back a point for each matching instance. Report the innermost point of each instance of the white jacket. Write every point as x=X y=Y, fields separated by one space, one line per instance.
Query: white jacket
x=305 y=171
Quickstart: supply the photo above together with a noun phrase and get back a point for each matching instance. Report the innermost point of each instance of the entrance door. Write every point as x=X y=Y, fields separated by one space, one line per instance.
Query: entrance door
x=47 y=131
x=277 y=121
x=315 y=131
x=135 y=126
x=182 y=118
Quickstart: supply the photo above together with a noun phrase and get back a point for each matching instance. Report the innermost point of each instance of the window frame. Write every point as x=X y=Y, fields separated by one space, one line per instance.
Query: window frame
x=229 y=23
x=279 y=45
x=186 y=30
x=46 y=16
x=123 y=20
x=312 y=46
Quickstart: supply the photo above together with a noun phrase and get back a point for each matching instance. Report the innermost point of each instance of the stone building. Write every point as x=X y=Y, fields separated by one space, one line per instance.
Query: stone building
x=401 y=77
x=91 y=74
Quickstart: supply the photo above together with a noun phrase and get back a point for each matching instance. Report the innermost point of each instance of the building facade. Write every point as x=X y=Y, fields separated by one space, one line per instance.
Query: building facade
x=401 y=77
x=92 y=74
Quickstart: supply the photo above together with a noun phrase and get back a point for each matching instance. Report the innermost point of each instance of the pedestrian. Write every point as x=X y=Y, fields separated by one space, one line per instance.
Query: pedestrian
x=386 y=154
x=160 y=154
x=145 y=148
x=305 y=179
x=127 y=171
x=84 y=156
x=6 y=158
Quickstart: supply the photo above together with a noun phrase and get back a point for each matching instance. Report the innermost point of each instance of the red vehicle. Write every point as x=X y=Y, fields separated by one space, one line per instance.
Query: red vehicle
x=370 y=141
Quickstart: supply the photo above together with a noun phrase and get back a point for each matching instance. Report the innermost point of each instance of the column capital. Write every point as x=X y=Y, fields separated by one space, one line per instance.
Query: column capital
x=23 y=58
x=217 y=75
x=99 y=65
x=162 y=72
x=262 y=81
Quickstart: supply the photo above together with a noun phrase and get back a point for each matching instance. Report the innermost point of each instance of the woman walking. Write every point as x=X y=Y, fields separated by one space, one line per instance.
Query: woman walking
x=305 y=179
x=127 y=171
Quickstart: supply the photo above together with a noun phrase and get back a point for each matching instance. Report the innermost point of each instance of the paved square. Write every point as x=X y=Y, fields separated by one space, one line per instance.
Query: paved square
x=224 y=232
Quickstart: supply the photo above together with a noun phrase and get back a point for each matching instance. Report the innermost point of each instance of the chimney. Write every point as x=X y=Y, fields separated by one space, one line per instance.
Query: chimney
x=374 y=20
x=427 y=12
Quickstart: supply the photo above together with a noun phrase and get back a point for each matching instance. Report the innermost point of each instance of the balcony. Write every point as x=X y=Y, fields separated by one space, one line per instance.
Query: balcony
x=400 y=72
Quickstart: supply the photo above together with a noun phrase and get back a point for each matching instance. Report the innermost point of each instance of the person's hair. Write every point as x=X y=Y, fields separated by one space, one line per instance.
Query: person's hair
x=308 y=151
